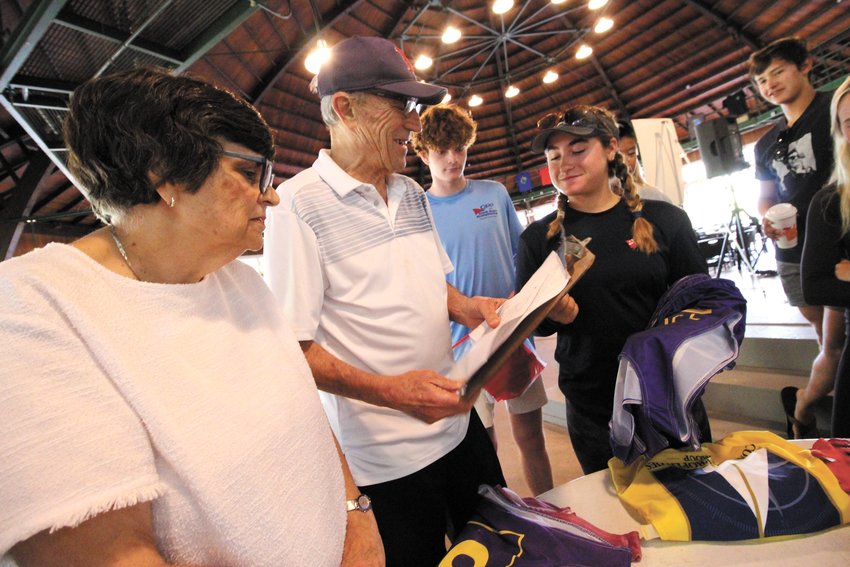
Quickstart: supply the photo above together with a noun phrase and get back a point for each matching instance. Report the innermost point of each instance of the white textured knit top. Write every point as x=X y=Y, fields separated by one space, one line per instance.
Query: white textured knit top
x=193 y=396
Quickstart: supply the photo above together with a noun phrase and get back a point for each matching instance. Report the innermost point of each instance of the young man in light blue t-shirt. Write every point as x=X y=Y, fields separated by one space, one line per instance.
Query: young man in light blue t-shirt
x=479 y=229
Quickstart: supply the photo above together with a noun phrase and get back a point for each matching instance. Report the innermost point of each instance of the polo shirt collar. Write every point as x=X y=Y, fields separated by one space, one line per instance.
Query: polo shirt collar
x=332 y=174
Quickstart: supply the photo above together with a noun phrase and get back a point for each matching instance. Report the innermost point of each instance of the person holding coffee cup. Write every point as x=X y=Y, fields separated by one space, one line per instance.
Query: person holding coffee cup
x=783 y=219
x=794 y=161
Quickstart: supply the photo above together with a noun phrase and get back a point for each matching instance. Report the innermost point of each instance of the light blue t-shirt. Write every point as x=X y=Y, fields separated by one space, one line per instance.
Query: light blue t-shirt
x=480 y=231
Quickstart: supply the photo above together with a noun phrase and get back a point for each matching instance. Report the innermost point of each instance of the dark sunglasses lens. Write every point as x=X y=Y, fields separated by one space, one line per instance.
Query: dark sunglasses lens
x=549 y=121
x=780 y=151
x=581 y=117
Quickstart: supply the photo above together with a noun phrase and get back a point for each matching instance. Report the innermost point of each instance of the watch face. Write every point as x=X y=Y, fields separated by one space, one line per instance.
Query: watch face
x=364 y=502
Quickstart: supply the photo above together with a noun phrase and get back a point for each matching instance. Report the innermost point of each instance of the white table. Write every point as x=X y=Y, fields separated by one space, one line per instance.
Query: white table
x=593 y=498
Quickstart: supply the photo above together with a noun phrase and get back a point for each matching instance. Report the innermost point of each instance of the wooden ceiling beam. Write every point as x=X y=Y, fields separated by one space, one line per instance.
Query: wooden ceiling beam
x=49 y=197
x=216 y=32
x=600 y=71
x=504 y=80
x=679 y=85
x=21 y=202
x=306 y=44
x=720 y=21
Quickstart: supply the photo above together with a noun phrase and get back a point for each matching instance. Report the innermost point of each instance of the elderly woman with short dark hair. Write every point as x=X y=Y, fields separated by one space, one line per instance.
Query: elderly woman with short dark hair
x=155 y=406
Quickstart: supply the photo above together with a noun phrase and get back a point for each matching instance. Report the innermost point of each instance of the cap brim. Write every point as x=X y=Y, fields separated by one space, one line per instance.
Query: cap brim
x=425 y=93
x=538 y=144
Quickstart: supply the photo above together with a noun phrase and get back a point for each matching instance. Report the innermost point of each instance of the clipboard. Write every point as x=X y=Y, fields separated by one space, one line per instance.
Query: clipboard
x=473 y=386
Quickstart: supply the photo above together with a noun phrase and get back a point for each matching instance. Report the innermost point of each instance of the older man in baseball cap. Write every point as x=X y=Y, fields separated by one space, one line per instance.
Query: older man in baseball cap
x=355 y=259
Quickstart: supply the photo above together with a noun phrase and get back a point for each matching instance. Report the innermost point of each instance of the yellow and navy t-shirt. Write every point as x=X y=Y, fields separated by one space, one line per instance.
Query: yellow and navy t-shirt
x=750 y=485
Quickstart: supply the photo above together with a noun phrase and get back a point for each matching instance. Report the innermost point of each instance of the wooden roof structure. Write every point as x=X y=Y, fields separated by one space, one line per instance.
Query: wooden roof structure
x=678 y=59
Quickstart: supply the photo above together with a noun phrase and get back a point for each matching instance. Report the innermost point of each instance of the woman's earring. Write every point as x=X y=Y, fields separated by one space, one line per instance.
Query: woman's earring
x=171 y=204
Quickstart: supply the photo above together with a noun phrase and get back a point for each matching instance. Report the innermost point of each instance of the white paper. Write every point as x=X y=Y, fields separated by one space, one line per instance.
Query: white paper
x=547 y=282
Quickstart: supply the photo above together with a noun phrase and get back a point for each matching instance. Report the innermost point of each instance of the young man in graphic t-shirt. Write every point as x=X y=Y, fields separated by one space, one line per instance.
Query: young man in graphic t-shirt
x=793 y=161
x=479 y=229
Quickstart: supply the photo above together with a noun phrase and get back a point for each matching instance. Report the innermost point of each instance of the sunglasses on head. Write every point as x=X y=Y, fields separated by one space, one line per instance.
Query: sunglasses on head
x=410 y=103
x=266 y=173
x=578 y=117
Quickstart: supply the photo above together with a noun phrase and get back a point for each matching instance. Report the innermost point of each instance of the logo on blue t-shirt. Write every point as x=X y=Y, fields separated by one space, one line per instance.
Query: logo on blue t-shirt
x=485 y=211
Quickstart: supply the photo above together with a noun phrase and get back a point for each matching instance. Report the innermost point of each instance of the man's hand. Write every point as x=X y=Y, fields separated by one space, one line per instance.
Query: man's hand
x=483 y=309
x=425 y=395
x=472 y=311
x=769 y=231
x=842 y=270
x=565 y=311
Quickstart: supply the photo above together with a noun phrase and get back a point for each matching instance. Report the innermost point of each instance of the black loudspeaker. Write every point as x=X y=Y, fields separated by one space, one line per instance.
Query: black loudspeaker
x=736 y=104
x=719 y=144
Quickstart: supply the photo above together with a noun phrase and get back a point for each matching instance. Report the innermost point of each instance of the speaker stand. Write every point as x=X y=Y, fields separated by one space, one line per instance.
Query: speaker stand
x=735 y=241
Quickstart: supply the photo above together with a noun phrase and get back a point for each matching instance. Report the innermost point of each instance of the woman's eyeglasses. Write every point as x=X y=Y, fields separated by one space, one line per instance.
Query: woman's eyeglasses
x=410 y=103
x=266 y=173
x=578 y=117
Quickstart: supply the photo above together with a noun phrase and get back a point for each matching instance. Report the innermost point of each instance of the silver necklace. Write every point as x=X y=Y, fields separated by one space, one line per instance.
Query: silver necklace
x=122 y=251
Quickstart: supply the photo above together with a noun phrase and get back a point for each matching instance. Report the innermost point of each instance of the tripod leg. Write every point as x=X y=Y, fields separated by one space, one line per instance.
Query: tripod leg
x=722 y=255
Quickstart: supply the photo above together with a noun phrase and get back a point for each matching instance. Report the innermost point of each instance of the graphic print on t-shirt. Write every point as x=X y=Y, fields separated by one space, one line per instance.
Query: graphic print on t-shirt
x=800 y=158
x=484 y=211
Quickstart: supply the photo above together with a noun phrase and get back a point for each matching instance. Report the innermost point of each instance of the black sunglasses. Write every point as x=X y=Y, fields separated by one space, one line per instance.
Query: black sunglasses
x=266 y=173
x=780 y=147
x=578 y=117
x=410 y=103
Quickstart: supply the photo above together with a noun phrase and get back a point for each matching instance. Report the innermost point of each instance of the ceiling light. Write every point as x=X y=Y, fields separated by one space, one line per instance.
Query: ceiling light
x=446 y=98
x=475 y=100
x=319 y=55
x=451 y=34
x=596 y=4
x=558 y=1
x=550 y=77
x=502 y=6
x=603 y=25
x=423 y=62
x=584 y=51
x=511 y=92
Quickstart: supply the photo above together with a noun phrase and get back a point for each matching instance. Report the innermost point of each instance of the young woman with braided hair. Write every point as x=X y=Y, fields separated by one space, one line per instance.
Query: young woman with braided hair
x=641 y=248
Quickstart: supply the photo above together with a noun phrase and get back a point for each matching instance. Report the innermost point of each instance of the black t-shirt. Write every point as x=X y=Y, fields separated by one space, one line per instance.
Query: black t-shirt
x=617 y=295
x=804 y=167
x=826 y=245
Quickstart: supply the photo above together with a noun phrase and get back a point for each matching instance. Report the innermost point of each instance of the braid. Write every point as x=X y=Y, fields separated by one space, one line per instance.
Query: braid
x=642 y=232
x=555 y=225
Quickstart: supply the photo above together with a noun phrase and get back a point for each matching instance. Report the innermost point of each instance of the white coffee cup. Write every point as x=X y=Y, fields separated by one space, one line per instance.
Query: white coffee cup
x=784 y=217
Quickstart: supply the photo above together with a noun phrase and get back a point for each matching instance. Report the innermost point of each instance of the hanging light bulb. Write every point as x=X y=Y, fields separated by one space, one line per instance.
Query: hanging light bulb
x=596 y=4
x=603 y=25
x=511 y=92
x=584 y=51
x=423 y=62
x=319 y=55
x=451 y=34
x=502 y=6
x=550 y=77
x=446 y=98
x=475 y=100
